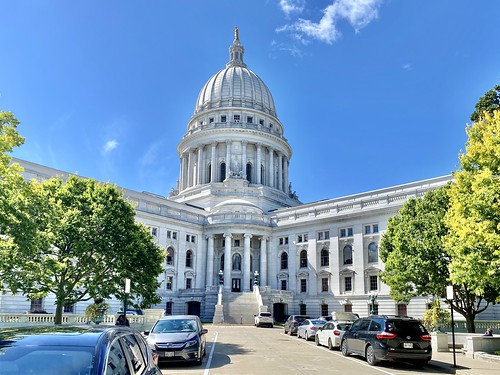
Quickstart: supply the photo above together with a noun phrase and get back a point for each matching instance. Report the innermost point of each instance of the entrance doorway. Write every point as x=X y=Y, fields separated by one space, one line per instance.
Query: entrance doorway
x=193 y=308
x=280 y=312
x=236 y=285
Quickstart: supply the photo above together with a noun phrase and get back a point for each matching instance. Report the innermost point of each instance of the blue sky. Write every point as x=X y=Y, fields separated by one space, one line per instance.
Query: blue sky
x=371 y=93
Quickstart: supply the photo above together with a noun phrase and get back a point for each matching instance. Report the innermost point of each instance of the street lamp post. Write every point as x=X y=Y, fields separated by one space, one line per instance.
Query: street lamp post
x=221 y=277
x=373 y=299
x=450 y=296
x=125 y=300
x=256 y=278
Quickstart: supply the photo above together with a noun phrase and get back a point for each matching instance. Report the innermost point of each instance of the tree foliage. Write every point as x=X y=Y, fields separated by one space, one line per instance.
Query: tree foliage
x=474 y=215
x=487 y=103
x=87 y=244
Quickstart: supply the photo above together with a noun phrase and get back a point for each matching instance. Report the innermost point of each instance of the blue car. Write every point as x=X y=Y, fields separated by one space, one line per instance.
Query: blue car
x=75 y=350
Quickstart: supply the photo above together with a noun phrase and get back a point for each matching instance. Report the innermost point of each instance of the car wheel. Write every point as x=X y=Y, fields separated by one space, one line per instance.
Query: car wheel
x=307 y=336
x=370 y=356
x=344 y=348
x=284 y=331
x=330 y=346
x=291 y=334
x=316 y=340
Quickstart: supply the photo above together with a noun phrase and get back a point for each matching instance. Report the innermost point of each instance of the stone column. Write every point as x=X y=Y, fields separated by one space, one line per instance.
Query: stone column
x=210 y=260
x=287 y=183
x=189 y=171
x=246 y=263
x=199 y=168
x=228 y=158
x=182 y=179
x=259 y=162
x=213 y=162
x=201 y=251
x=271 y=168
x=244 y=159
x=227 y=261
x=263 y=261
x=280 y=171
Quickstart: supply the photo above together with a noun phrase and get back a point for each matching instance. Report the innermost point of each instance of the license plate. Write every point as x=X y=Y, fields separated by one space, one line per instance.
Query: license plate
x=168 y=354
x=408 y=345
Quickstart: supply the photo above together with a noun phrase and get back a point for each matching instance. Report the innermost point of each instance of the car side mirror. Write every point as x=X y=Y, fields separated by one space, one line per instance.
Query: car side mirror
x=146 y=333
x=204 y=330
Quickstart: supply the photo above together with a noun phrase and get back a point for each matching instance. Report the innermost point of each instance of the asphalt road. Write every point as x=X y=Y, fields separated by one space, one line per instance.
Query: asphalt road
x=238 y=350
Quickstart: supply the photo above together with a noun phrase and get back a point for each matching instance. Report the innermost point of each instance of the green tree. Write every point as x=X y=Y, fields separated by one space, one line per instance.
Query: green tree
x=487 y=103
x=89 y=243
x=474 y=214
x=416 y=260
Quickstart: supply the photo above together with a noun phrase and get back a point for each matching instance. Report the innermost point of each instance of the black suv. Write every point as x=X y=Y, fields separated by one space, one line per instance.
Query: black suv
x=383 y=337
x=292 y=323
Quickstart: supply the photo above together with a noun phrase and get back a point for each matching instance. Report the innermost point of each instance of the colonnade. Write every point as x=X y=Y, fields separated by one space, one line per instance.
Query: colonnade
x=201 y=165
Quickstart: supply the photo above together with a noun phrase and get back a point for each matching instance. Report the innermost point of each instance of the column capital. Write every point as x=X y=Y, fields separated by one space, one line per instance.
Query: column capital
x=230 y=235
x=248 y=235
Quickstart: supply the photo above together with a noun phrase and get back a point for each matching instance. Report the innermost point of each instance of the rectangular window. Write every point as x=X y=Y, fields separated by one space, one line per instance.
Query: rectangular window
x=373 y=282
x=346 y=232
x=402 y=309
x=302 y=238
x=250 y=119
x=283 y=284
x=169 y=308
x=283 y=240
x=324 y=235
x=170 y=281
x=368 y=229
x=375 y=228
x=324 y=310
x=324 y=284
x=261 y=122
x=154 y=231
x=303 y=309
x=190 y=238
x=211 y=120
x=36 y=304
x=223 y=119
x=188 y=283
x=236 y=118
x=303 y=285
x=372 y=228
x=348 y=283
x=171 y=235
x=236 y=243
x=69 y=308
x=347 y=307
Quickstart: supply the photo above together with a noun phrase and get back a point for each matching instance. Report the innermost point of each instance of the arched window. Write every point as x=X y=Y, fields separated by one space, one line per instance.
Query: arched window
x=236 y=262
x=284 y=261
x=189 y=258
x=222 y=172
x=347 y=254
x=325 y=258
x=170 y=256
x=372 y=252
x=209 y=173
x=303 y=258
x=249 y=172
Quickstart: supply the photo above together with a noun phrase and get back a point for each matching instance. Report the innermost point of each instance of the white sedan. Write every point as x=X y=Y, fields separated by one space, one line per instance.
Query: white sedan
x=331 y=334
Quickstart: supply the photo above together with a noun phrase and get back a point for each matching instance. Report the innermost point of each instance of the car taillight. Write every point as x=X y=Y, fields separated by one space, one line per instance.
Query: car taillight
x=386 y=335
x=336 y=332
x=425 y=337
x=314 y=328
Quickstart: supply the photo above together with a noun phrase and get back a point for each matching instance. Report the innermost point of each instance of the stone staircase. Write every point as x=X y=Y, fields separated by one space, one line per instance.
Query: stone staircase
x=239 y=308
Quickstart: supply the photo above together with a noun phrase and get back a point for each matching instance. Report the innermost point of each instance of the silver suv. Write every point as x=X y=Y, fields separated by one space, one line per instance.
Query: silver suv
x=264 y=319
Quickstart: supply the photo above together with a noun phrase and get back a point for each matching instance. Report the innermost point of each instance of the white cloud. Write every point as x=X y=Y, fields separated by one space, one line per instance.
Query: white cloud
x=109 y=146
x=407 y=67
x=358 y=13
x=292 y=6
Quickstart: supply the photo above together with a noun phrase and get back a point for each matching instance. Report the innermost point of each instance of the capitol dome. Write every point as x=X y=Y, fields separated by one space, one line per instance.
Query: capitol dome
x=236 y=86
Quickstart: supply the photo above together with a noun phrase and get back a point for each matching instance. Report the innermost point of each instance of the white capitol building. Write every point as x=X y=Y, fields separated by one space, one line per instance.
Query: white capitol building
x=233 y=213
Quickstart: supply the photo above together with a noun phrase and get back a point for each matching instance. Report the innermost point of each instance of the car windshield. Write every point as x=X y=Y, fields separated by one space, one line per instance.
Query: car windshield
x=175 y=325
x=265 y=314
x=43 y=360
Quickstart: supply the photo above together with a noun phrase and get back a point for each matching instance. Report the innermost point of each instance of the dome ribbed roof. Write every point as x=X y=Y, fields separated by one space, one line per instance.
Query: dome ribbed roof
x=235 y=86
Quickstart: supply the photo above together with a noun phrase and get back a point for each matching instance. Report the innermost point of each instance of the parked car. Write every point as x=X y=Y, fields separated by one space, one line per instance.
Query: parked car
x=307 y=329
x=264 y=319
x=330 y=334
x=382 y=337
x=325 y=318
x=292 y=323
x=62 y=349
x=178 y=338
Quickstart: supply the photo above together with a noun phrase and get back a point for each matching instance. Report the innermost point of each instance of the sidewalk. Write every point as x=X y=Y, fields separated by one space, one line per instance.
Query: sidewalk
x=483 y=365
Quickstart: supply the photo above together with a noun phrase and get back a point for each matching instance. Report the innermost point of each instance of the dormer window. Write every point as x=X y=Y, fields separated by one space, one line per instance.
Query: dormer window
x=236 y=118
x=223 y=119
x=249 y=119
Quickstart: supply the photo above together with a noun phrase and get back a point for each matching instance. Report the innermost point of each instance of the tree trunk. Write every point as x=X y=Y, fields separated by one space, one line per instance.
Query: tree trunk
x=469 y=322
x=59 y=311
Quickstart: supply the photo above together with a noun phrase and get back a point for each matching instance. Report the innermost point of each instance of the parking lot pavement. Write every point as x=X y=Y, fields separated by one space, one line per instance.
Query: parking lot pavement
x=241 y=350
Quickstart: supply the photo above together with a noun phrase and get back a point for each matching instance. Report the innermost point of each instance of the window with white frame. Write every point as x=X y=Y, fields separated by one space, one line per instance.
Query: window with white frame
x=347 y=254
x=303 y=258
x=236 y=118
x=236 y=243
x=284 y=261
x=345 y=232
x=223 y=118
x=324 y=284
x=303 y=285
x=190 y=238
x=302 y=309
x=283 y=241
x=348 y=284
x=371 y=229
x=169 y=308
x=250 y=119
x=169 y=282
x=373 y=282
x=325 y=258
x=210 y=120
x=302 y=238
x=261 y=122
x=189 y=259
x=69 y=308
x=170 y=257
x=348 y=307
x=283 y=284
x=171 y=235
x=188 y=283
x=372 y=252
x=154 y=231
x=324 y=235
